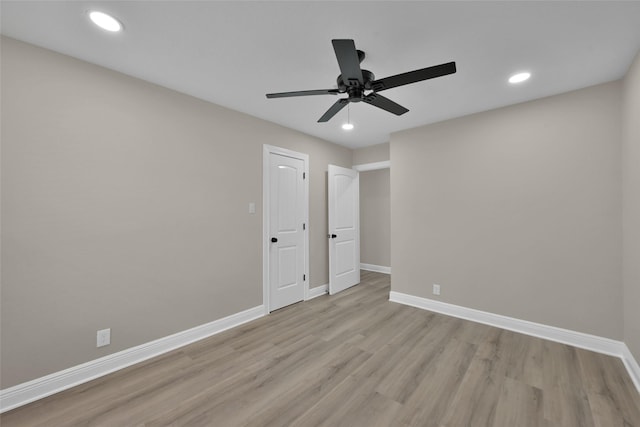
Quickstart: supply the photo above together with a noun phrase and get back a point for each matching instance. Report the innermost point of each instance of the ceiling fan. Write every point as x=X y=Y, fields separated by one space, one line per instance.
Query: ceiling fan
x=355 y=81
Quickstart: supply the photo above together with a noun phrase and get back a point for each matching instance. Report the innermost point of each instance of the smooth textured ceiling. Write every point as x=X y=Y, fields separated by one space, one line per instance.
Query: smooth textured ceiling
x=233 y=53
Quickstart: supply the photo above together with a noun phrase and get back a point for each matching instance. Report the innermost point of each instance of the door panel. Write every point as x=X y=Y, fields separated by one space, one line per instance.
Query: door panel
x=344 y=228
x=345 y=257
x=286 y=189
x=287 y=271
x=344 y=216
x=287 y=216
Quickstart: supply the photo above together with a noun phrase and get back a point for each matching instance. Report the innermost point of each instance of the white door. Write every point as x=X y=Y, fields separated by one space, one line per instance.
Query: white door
x=344 y=228
x=286 y=230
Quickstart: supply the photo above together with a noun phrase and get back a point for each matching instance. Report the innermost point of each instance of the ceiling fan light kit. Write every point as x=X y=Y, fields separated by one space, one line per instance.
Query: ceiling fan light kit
x=356 y=82
x=105 y=21
x=519 y=77
x=348 y=125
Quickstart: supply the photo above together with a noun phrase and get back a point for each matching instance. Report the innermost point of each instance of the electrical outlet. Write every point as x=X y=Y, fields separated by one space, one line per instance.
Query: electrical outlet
x=436 y=289
x=103 y=337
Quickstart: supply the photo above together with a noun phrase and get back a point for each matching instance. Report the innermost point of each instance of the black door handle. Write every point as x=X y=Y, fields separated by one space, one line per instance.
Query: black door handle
x=333 y=236
x=274 y=239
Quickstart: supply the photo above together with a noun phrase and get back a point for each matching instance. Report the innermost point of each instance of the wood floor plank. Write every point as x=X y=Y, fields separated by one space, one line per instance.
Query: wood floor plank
x=353 y=359
x=433 y=396
x=222 y=402
x=609 y=390
x=565 y=398
x=519 y=404
x=417 y=357
x=477 y=396
x=352 y=403
x=525 y=360
x=298 y=396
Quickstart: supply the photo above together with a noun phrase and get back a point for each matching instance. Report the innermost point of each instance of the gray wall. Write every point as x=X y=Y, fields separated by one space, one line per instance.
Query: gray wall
x=375 y=221
x=371 y=154
x=631 y=207
x=117 y=210
x=125 y=206
x=516 y=211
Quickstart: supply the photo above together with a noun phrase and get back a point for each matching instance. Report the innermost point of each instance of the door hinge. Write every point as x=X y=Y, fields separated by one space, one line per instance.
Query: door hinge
x=304 y=175
x=304 y=277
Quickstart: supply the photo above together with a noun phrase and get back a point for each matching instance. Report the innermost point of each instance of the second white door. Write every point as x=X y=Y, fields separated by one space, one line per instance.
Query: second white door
x=344 y=228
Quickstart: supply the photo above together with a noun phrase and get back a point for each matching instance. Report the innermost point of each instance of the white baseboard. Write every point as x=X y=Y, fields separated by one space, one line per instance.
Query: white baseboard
x=318 y=291
x=552 y=333
x=632 y=366
x=376 y=268
x=565 y=336
x=24 y=393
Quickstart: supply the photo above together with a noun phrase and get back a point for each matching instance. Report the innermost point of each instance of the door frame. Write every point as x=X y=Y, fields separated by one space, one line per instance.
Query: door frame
x=363 y=167
x=373 y=166
x=267 y=150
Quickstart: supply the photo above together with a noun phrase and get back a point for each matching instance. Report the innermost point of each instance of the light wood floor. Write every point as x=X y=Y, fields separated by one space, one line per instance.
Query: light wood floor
x=354 y=359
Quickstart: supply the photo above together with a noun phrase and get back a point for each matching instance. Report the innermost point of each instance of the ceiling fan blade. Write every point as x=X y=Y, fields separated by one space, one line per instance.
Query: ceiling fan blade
x=414 y=76
x=304 y=93
x=339 y=105
x=348 y=61
x=385 y=103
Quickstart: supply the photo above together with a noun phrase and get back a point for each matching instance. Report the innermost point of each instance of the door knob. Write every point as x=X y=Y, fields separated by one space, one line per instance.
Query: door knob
x=333 y=236
x=274 y=239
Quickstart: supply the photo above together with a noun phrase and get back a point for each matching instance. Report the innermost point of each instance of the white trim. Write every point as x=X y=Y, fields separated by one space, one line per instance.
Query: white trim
x=632 y=366
x=376 y=268
x=565 y=336
x=372 y=166
x=24 y=393
x=266 y=150
x=552 y=333
x=318 y=291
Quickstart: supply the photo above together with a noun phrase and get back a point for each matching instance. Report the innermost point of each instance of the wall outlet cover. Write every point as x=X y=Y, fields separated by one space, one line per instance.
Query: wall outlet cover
x=103 y=337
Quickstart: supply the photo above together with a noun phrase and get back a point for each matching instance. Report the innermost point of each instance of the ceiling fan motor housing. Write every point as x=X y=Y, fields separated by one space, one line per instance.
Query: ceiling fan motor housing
x=353 y=86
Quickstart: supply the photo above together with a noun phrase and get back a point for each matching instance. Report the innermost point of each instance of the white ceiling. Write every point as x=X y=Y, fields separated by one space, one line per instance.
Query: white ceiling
x=233 y=53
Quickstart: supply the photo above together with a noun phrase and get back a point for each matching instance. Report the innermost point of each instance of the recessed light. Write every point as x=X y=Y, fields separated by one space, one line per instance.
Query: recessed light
x=519 y=78
x=347 y=126
x=104 y=21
